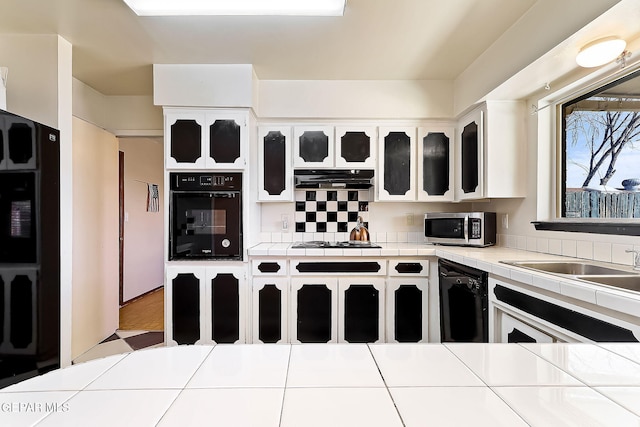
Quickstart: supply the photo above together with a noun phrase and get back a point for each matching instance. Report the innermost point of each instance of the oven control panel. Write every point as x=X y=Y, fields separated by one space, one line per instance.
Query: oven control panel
x=206 y=181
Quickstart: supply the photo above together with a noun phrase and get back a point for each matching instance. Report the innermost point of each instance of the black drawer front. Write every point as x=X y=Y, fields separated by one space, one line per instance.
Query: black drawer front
x=408 y=267
x=269 y=267
x=589 y=327
x=338 y=267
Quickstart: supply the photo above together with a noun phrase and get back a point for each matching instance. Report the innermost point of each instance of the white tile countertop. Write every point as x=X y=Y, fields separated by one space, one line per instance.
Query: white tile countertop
x=337 y=385
x=488 y=259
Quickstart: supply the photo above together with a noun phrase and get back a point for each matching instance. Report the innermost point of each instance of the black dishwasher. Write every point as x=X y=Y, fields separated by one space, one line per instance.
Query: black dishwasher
x=463 y=303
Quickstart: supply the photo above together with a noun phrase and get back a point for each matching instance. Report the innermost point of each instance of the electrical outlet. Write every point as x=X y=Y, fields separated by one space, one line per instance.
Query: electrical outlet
x=284 y=222
x=409 y=217
x=505 y=221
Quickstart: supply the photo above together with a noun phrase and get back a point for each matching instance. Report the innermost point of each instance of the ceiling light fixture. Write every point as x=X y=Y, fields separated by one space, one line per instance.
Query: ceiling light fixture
x=600 y=52
x=237 y=7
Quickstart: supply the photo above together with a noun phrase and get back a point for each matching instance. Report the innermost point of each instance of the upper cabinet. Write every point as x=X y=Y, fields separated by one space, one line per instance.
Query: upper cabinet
x=275 y=176
x=435 y=163
x=491 y=152
x=396 y=165
x=343 y=147
x=17 y=143
x=313 y=147
x=205 y=138
x=355 y=147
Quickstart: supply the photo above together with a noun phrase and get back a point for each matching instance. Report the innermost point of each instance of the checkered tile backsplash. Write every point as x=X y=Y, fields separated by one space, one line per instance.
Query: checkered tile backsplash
x=330 y=211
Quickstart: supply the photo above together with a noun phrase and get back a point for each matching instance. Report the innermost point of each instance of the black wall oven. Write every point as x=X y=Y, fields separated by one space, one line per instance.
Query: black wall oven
x=205 y=216
x=463 y=303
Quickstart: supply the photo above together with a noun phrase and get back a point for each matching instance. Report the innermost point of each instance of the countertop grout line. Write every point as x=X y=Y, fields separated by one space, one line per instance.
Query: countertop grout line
x=384 y=381
x=593 y=388
x=183 y=388
x=284 y=390
x=487 y=386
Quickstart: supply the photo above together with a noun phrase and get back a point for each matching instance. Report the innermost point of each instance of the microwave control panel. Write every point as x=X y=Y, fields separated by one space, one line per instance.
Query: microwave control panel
x=475 y=228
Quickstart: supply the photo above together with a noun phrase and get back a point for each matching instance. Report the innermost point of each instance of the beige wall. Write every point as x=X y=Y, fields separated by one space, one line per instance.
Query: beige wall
x=143 y=231
x=95 y=236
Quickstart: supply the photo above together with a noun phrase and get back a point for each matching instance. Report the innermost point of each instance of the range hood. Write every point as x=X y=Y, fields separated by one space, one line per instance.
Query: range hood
x=332 y=178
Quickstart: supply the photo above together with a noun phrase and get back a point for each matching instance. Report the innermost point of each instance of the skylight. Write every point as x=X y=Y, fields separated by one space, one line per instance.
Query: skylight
x=237 y=7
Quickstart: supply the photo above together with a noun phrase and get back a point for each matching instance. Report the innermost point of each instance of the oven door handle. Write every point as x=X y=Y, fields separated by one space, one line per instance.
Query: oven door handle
x=227 y=195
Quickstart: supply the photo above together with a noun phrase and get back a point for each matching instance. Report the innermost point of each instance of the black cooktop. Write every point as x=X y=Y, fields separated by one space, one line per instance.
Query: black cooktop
x=345 y=244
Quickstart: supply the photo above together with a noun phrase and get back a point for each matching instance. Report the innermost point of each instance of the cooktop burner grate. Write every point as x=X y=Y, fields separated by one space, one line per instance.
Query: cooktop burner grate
x=345 y=244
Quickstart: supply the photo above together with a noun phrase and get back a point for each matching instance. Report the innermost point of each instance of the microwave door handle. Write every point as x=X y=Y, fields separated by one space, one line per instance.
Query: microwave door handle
x=466 y=228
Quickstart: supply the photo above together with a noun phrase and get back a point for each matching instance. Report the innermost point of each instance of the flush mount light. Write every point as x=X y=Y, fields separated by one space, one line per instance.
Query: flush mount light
x=600 y=52
x=237 y=7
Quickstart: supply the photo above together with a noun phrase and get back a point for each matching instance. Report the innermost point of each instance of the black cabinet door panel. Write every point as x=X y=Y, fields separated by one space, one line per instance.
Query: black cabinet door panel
x=470 y=171
x=186 y=308
x=355 y=147
x=314 y=314
x=435 y=158
x=361 y=314
x=269 y=314
x=224 y=141
x=274 y=159
x=225 y=308
x=314 y=146
x=186 y=137
x=397 y=163
x=408 y=309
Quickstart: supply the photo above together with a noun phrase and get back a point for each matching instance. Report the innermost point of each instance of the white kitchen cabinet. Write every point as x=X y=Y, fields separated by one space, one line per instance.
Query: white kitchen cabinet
x=361 y=309
x=184 y=304
x=513 y=330
x=275 y=174
x=356 y=147
x=313 y=147
x=205 y=304
x=396 y=164
x=205 y=138
x=225 y=309
x=270 y=303
x=407 y=295
x=435 y=163
x=491 y=151
x=314 y=310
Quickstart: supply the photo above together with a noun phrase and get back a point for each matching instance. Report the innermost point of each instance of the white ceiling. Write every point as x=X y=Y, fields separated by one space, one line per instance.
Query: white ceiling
x=113 y=49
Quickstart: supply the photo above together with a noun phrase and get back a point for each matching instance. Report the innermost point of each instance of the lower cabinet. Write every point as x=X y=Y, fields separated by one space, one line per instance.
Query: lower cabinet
x=205 y=304
x=361 y=310
x=344 y=309
x=314 y=310
x=270 y=304
x=407 y=303
x=513 y=330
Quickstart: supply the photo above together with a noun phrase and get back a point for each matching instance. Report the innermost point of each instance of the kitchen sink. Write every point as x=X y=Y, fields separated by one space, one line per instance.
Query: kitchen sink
x=570 y=268
x=631 y=283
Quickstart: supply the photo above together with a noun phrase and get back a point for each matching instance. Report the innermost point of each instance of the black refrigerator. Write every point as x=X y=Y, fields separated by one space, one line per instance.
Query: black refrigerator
x=29 y=248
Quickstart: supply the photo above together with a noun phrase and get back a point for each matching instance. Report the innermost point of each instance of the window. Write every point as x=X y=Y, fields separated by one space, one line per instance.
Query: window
x=601 y=152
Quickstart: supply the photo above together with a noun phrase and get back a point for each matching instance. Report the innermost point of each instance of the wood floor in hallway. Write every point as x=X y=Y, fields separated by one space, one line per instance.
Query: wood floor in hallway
x=145 y=313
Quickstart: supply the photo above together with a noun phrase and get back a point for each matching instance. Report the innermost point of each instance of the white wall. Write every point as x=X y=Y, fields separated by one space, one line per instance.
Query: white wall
x=120 y=115
x=355 y=99
x=545 y=24
x=32 y=84
x=143 y=231
x=95 y=236
x=203 y=85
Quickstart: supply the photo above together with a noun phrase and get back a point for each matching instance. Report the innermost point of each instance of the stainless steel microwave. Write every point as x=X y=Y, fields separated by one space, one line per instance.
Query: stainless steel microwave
x=461 y=228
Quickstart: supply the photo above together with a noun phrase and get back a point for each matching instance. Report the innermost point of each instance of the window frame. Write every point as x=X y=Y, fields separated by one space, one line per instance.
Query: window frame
x=556 y=221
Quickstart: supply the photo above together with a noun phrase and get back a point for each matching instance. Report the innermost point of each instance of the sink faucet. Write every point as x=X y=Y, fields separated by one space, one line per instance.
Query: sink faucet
x=636 y=258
